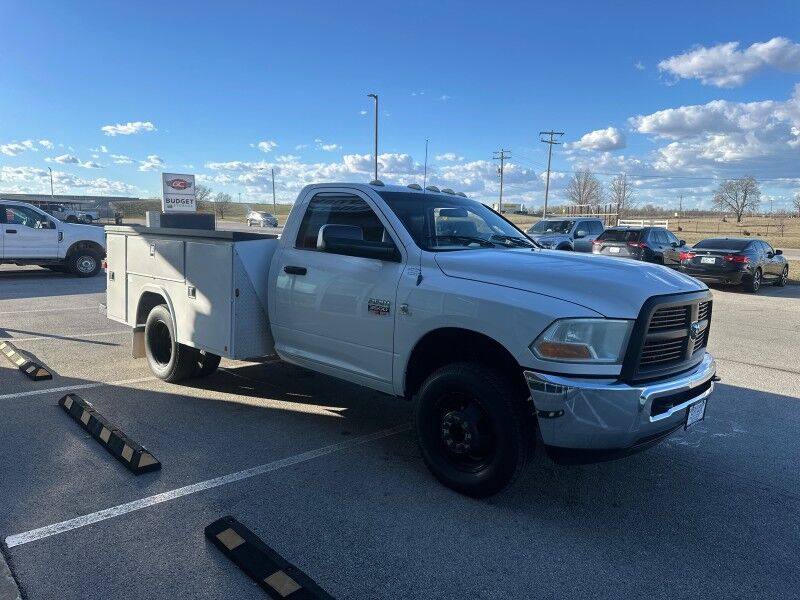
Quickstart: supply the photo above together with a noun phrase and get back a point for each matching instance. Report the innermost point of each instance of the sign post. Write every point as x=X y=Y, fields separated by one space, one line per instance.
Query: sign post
x=178 y=194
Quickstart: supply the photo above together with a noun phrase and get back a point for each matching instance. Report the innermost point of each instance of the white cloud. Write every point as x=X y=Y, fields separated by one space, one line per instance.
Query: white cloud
x=449 y=156
x=152 y=163
x=129 y=128
x=103 y=149
x=47 y=144
x=444 y=97
x=233 y=165
x=67 y=159
x=15 y=148
x=362 y=112
x=601 y=140
x=301 y=146
x=90 y=164
x=267 y=146
x=724 y=65
x=33 y=180
x=639 y=65
x=330 y=147
x=287 y=158
x=121 y=159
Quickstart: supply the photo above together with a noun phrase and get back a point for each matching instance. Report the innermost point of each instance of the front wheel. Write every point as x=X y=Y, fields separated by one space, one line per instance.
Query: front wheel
x=472 y=428
x=784 y=277
x=168 y=359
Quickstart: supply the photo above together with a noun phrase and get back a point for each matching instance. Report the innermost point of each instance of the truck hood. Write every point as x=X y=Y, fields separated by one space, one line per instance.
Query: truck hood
x=613 y=287
x=77 y=232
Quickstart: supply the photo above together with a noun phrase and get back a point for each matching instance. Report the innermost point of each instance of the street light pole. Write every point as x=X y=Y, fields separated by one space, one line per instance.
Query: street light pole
x=375 y=96
x=274 y=205
x=51 y=183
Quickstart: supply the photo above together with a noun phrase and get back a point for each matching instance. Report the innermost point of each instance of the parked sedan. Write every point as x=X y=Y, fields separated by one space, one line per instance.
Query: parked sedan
x=748 y=263
x=261 y=219
x=566 y=234
x=650 y=244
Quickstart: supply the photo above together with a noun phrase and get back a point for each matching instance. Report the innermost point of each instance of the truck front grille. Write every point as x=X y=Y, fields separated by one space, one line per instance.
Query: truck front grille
x=667 y=344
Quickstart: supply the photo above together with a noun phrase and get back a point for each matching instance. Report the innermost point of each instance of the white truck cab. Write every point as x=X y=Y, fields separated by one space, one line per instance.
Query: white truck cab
x=433 y=297
x=30 y=236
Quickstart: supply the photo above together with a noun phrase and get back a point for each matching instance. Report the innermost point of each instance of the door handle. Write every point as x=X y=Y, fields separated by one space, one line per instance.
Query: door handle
x=11 y=231
x=294 y=270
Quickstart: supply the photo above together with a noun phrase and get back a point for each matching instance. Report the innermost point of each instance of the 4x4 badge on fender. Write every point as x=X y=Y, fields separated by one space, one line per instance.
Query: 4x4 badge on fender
x=694 y=329
x=378 y=307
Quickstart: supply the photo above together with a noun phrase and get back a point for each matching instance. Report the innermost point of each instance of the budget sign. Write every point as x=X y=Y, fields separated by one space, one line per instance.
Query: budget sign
x=177 y=193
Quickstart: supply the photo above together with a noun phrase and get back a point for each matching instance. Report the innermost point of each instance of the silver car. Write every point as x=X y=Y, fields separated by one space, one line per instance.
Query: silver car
x=261 y=219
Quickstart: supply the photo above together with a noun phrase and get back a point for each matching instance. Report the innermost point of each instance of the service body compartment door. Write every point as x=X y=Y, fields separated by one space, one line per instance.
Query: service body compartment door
x=116 y=284
x=154 y=257
x=209 y=282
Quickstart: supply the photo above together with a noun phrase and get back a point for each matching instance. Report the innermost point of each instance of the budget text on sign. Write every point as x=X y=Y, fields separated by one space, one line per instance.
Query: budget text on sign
x=178 y=193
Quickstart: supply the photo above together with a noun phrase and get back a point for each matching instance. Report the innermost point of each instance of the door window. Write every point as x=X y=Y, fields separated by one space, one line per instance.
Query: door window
x=339 y=209
x=21 y=215
x=595 y=227
x=671 y=239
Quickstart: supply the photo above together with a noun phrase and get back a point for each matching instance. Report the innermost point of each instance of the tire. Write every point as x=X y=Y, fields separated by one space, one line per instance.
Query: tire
x=566 y=247
x=207 y=363
x=784 y=276
x=71 y=219
x=87 y=219
x=84 y=263
x=752 y=284
x=168 y=360
x=469 y=404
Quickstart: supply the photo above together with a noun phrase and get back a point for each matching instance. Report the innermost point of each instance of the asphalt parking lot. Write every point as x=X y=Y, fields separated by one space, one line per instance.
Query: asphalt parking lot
x=340 y=490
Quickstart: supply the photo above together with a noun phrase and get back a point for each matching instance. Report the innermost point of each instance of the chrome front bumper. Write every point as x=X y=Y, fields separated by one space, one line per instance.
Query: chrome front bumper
x=607 y=415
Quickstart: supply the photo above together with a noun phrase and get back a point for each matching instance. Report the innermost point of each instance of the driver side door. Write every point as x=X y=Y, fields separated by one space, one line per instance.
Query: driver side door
x=28 y=233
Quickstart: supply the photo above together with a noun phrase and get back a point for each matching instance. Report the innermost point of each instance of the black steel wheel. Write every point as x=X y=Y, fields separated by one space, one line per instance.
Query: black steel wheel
x=168 y=359
x=472 y=428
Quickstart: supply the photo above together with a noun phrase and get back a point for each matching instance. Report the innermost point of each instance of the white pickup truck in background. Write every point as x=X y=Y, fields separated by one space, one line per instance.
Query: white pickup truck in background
x=433 y=297
x=30 y=236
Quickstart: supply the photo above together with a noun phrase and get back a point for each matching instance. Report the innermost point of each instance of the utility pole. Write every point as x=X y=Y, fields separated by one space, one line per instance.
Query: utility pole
x=501 y=155
x=375 y=96
x=549 y=143
x=425 y=172
x=274 y=205
x=51 y=183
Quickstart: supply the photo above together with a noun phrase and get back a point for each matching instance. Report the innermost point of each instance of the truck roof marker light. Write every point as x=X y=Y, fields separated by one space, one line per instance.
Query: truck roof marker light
x=462 y=194
x=448 y=191
x=377 y=182
x=415 y=186
x=432 y=188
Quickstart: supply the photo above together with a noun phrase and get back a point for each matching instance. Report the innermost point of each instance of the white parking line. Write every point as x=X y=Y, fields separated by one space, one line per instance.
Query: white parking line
x=72 y=388
x=122 y=509
x=40 y=310
x=68 y=338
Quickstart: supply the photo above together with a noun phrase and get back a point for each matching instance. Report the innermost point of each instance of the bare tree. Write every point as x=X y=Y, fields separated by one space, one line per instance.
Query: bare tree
x=202 y=193
x=584 y=188
x=221 y=200
x=622 y=194
x=796 y=203
x=738 y=196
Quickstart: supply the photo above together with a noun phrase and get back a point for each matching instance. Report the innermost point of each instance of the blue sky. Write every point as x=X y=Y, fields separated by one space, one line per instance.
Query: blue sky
x=197 y=86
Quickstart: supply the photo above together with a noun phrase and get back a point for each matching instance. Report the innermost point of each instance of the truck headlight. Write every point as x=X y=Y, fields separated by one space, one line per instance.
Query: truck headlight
x=584 y=340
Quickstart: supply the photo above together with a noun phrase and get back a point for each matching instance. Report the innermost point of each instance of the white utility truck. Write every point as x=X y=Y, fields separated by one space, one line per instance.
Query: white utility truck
x=30 y=236
x=433 y=297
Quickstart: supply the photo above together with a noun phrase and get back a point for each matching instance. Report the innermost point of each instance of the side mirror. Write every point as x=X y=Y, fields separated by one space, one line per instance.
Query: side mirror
x=778 y=252
x=681 y=242
x=580 y=234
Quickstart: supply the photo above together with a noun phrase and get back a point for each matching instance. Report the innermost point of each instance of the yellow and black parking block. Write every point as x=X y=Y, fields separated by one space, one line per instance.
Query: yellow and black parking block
x=32 y=369
x=134 y=456
x=276 y=576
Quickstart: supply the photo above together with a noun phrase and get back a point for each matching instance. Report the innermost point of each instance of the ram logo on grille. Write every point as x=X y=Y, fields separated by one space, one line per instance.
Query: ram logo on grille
x=694 y=330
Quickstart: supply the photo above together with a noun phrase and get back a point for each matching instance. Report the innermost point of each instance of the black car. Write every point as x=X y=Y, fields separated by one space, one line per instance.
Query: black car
x=650 y=244
x=748 y=263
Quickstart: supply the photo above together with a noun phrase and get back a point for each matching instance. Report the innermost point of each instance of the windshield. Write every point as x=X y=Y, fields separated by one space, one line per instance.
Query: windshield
x=442 y=222
x=548 y=226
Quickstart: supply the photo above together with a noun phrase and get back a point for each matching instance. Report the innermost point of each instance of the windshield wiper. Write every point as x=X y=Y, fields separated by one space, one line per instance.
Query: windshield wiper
x=466 y=238
x=514 y=240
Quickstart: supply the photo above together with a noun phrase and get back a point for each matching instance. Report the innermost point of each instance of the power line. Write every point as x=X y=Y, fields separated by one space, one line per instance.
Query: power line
x=501 y=155
x=550 y=144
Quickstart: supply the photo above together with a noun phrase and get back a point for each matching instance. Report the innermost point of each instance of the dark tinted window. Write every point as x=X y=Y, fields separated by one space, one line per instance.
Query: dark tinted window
x=671 y=239
x=723 y=244
x=621 y=235
x=338 y=209
x=768 y=248
x=595 y=227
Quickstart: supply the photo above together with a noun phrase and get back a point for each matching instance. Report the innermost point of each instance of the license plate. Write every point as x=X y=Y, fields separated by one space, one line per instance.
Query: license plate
x=614 y=250
x=697 y=412
x=708 y=260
